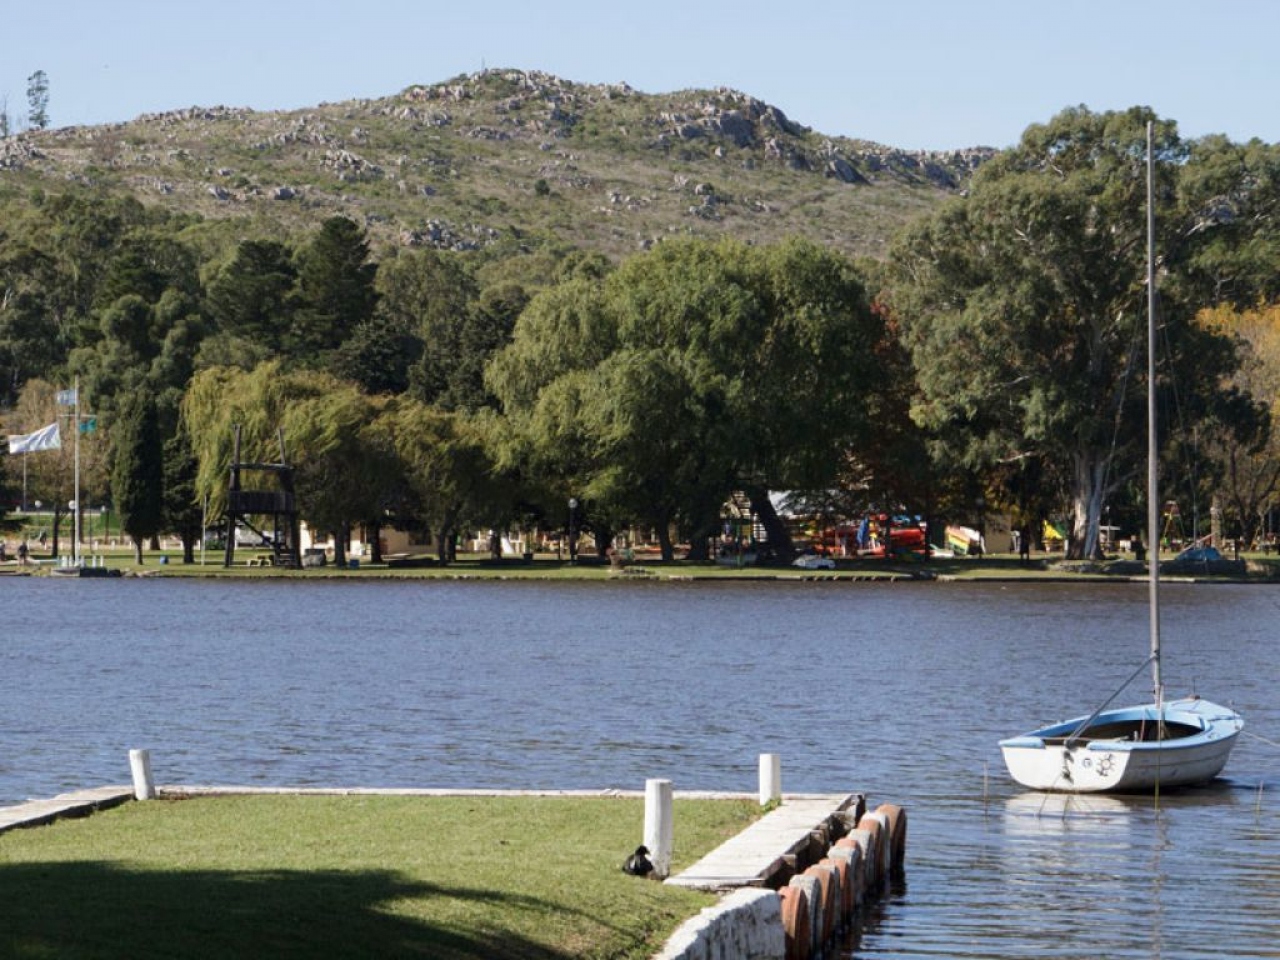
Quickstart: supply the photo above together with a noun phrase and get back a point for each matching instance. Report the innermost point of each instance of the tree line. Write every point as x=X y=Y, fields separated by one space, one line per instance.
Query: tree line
x=989 y=362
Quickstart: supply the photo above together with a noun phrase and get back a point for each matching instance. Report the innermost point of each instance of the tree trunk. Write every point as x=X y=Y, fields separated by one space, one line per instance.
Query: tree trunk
x=603 y=536
x=700 y=541
x=137 y=550
x=340 y=538
x=373 y=536
x=775 y=530
x=664 y=542
x=1089 y=492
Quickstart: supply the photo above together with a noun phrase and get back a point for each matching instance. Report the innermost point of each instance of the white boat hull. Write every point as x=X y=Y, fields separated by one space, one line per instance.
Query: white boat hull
x=1103 y=760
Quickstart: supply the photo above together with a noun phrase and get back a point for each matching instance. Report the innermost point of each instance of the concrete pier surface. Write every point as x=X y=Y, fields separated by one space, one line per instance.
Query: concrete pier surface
x=763 y=849
x=80 y=803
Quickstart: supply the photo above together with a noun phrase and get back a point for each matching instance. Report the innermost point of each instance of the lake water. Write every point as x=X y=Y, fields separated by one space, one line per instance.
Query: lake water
x=897 y=690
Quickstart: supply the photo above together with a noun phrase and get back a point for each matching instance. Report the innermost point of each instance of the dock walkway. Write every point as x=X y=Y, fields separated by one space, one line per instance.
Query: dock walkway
x=81 y=803
x=769 y=845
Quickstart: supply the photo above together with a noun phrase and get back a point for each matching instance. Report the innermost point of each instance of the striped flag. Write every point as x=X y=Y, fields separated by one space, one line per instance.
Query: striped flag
x=46 y=438
x=67 y=398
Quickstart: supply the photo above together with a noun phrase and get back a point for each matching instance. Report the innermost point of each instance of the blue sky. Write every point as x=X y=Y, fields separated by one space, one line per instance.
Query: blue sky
x=921 y=75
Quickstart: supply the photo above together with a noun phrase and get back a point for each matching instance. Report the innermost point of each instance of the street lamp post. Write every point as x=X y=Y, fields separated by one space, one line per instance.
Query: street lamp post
x=573 y=529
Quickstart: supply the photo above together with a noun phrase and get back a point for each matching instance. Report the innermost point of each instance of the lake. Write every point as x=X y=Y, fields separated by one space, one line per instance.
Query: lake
x=898 y=690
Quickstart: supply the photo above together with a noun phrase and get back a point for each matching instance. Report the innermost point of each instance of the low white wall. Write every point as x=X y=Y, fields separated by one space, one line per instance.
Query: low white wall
x=744 y=925
x=748 y=924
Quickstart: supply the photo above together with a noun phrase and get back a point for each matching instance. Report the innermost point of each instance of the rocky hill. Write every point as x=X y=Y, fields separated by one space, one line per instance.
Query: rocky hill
x=462 y=163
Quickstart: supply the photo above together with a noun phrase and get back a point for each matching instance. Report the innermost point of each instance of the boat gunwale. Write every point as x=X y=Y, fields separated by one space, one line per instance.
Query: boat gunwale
x=1204 y=719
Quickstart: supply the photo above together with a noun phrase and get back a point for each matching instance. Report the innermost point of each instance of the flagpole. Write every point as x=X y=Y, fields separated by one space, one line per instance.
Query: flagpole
x=75 y=550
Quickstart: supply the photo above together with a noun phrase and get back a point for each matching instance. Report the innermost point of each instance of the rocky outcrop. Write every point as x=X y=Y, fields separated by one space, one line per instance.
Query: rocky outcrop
x=17 y=152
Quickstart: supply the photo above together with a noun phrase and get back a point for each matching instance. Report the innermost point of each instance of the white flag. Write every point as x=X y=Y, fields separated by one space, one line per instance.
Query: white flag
x=46 y=438
x=67 y=398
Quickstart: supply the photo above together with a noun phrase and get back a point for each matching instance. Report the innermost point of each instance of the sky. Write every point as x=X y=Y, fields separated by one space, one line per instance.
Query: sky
x=924 y=74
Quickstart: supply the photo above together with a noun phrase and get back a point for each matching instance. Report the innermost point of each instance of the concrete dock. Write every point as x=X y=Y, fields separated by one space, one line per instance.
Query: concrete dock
x=81 y=803
x=772 y=844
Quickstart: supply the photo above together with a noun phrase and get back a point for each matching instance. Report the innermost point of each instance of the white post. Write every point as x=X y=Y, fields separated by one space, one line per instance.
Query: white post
x=658 y=831
x=770 y=778
x=144 y=787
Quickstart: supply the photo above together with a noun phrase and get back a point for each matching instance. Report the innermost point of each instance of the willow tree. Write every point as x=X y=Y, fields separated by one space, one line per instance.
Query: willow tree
x=323 y=424
x=445 y=461
x=1023 y=305
x=338 y=470
x=217 y=402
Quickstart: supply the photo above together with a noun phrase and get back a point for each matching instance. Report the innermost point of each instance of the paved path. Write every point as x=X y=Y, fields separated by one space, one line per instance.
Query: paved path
x=755 y=854
x=81 y=803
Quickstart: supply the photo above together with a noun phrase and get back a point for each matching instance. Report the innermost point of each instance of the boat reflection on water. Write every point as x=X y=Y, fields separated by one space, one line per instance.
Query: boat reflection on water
x=1102 y=873
x=1035 y=812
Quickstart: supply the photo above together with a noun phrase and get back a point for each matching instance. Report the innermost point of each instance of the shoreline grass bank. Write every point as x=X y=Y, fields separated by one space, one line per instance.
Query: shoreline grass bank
x=1259 y=568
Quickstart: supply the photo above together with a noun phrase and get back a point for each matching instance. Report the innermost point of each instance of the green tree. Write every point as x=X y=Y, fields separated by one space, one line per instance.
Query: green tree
x=456 y=349
x=762 y=358
x=335 y=291
x=540 y=379
x=182 y=513
x=81 y=230
x=1251 y=465
x=31 y=343
x=54 y=254
x=338 y=472
x=378 y=355
x=343 y=472
x=430 y=295
x=252 y=296
x=1226 y=243
x=1023 y=306
x=449 y=473
x=149 y=328
x=137 y=469
x=38 y=100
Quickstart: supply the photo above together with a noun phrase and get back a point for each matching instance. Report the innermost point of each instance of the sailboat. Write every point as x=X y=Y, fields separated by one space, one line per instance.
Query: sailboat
x=1142 y=748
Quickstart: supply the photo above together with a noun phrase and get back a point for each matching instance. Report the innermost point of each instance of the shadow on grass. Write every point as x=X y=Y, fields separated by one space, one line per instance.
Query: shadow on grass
x=82 y=910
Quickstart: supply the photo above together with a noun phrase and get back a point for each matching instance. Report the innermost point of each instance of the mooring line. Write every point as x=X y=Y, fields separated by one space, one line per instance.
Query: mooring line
x=1258 y=736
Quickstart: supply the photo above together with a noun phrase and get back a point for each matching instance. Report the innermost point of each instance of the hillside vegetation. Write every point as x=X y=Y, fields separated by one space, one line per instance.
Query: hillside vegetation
x=509 y=155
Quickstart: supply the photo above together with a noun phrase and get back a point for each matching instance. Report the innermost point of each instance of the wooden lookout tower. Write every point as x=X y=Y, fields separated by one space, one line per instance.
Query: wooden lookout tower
x=270 y=514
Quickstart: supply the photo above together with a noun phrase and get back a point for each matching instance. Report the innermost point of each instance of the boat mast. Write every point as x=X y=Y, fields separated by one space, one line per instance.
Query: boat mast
x=1153 y=512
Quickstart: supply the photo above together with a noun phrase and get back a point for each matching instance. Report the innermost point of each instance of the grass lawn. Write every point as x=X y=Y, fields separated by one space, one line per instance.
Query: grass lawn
x=318 y=876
